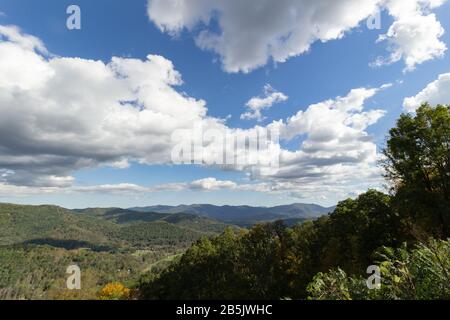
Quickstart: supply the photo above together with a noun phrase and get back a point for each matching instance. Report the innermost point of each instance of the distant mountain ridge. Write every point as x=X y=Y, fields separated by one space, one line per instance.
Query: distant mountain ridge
x=100 y=227
x=124 y=217
x=244 y=215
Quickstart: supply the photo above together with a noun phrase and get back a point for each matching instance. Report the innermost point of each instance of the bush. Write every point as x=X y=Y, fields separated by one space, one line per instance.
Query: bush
x=420 y=274
x=114 y=291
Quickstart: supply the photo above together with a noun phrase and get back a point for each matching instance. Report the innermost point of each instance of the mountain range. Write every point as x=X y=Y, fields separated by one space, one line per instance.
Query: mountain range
x=245 y=215
x=107 y=226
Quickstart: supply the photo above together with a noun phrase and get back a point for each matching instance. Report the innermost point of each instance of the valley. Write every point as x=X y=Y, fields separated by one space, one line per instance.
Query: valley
x=37 y=243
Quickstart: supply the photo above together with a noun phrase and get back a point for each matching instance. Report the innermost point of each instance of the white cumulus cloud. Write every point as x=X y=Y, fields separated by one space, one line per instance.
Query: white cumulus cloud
x=61 y=114
x=257 y=104
x=415 y=34
x=436 y=92
x=212 y=184
x=251 y=33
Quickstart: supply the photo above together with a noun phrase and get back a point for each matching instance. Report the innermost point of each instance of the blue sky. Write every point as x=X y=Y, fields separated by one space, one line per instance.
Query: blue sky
x=327 y=70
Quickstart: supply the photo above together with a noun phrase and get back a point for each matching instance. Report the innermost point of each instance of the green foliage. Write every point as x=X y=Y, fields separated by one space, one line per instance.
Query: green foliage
x=355 y=229
x=420 y=274
x=272 y=261
x=336 y=285
x=207 y=263
x=197 y=223
x=22 y=223
x=346 y=239
x=38 y=272
x=417 y=162
x=157 y=233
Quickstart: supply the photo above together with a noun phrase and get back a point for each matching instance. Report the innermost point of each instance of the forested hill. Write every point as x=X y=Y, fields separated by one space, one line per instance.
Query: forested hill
x=38 y=243
x=102 y=226
x=19 y=223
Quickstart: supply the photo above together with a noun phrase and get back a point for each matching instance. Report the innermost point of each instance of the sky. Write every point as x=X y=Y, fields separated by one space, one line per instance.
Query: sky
x=105 y=115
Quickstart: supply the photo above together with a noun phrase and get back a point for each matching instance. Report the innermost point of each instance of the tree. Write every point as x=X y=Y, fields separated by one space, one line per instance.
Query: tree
x=206 y=271
x=417 y=163
x=262 y=261
x=354 y=230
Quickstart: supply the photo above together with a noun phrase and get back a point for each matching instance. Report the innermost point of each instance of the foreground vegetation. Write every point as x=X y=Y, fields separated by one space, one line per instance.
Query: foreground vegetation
x=422 y=273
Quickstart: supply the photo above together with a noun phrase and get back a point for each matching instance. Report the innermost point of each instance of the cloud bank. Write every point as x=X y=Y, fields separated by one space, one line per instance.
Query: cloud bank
x=251 y=33
x=59 y=115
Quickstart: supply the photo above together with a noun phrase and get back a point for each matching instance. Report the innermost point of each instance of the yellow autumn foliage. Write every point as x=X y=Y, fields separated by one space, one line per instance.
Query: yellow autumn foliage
x=114 y=291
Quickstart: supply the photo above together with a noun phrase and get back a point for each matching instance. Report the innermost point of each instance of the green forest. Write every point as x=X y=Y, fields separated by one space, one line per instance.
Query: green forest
x=126 y=254
x=110 y=245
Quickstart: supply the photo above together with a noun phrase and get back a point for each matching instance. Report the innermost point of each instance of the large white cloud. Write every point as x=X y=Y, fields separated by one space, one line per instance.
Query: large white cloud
x=336 y=154
x=415 y=34
x=436 y=92
x=59 y=115
x=253 y=32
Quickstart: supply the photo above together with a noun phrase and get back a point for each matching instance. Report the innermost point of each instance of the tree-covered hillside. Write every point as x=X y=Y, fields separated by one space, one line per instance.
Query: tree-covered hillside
x=38 y=243
x=25 y=223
